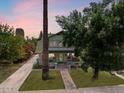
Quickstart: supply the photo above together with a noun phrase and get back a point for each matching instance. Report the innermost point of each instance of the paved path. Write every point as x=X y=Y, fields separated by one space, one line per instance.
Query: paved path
x=110 y=89
x=13 y=83
x=119 y=75
x=53 y=91
x=68 y=82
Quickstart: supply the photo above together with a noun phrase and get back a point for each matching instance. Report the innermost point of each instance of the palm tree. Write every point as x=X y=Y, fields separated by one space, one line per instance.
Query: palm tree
x=45 y=69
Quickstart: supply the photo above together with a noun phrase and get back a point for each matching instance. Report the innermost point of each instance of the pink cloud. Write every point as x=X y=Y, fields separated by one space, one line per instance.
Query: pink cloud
x=26 y=21
x=24 y=6
x=28 y=15
x=30 y=24
x=3 y=19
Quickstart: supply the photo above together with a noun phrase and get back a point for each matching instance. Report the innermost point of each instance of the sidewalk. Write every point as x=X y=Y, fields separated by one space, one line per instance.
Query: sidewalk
x=53 y=91
x=68 y=82
x=13 y=83
x=120 y=75
x=107 y=89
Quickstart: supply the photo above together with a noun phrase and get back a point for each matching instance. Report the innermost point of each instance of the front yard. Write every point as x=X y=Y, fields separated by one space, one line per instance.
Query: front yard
x=83 y=79
x=7 y=69
x=35 y=82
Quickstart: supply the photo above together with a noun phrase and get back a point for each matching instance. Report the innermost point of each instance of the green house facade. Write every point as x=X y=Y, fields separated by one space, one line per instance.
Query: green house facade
x=58 y=53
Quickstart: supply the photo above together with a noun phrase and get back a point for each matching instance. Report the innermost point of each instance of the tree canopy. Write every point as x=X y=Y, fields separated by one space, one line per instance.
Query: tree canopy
x=14 y=48
x=97 y=35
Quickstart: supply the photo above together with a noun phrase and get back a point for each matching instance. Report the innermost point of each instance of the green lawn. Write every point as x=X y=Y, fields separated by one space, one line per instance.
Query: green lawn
x=35 y=82
x=7 y=69
x=83 y=79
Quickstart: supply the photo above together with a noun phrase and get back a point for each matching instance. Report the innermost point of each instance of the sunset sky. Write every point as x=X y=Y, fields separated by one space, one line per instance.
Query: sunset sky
x=27 y=14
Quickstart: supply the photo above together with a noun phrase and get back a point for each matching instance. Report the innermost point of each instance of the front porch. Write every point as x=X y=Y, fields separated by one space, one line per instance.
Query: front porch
x=64 y=59
x=61 y=58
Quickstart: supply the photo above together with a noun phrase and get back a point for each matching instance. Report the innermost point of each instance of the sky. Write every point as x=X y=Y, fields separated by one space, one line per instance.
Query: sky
x=28 y=14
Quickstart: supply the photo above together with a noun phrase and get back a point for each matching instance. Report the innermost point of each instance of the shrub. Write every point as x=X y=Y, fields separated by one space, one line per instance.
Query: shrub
x=37 y=65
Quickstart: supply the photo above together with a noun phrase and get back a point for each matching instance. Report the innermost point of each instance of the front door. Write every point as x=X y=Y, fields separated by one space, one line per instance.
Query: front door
x=61 y=57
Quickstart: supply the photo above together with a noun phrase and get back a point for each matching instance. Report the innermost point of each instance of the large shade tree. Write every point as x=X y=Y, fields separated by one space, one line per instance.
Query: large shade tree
x=97 y=35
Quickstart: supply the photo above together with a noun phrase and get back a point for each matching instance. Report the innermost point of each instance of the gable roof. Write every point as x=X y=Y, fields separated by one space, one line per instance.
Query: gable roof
x=58 y=36
x=59 y=33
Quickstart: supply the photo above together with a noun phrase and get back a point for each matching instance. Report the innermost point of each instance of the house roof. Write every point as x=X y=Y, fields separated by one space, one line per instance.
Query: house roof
x=61 y=49
x=59 y=33
x=58 y=36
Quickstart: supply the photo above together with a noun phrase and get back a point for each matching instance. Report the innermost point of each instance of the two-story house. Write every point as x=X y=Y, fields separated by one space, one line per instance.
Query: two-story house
x=57 y=52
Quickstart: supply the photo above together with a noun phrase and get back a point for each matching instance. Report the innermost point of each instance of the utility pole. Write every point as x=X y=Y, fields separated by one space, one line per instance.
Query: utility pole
x=45 y=69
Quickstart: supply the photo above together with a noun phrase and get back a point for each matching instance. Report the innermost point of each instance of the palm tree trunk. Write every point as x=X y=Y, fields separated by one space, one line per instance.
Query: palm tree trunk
x=45 y=69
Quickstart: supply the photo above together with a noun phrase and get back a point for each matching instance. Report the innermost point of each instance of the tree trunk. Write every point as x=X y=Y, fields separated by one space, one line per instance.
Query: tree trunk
x=95 y=74
x=45 y=69
x=45 y=73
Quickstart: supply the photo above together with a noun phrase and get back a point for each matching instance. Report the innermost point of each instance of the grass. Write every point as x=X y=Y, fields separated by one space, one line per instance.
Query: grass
x=83 y=79
x=35 y=82
x=7 y=69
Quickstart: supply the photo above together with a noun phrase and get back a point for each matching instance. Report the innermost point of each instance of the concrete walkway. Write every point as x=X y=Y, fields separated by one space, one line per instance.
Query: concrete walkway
x=109 y=89
x=119 y=75
x=53 y=91
x=68 y=82
x=13 y=83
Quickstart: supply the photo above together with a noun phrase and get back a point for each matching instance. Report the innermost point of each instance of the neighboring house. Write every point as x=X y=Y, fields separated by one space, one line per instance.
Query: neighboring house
x=57 y=52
